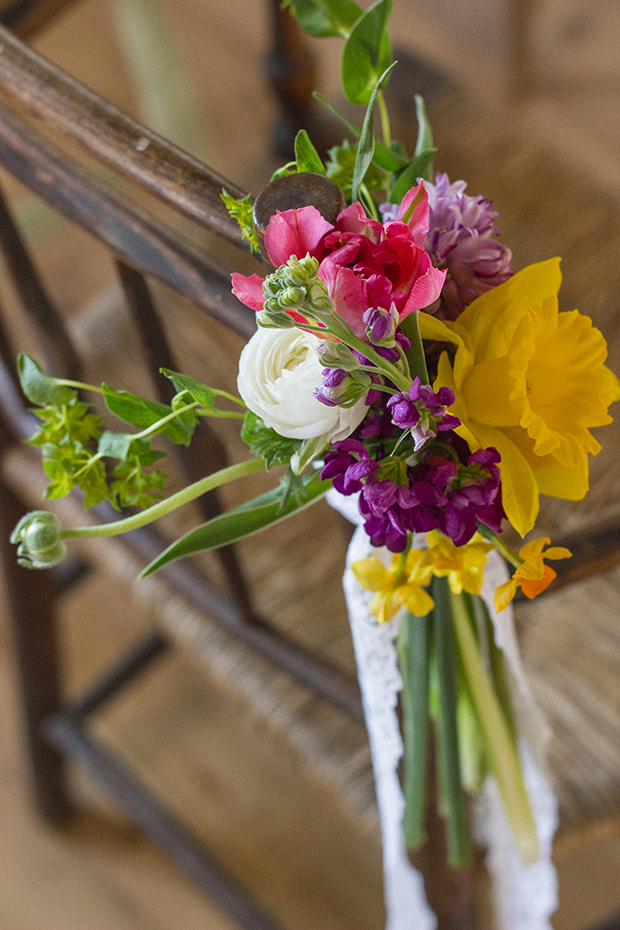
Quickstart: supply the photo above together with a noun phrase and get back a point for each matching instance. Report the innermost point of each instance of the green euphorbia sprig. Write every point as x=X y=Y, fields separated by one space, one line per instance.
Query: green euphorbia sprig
x=111 y=465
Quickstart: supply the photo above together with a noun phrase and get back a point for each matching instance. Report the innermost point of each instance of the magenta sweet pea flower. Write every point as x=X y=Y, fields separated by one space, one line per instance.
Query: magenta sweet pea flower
x=363 y=263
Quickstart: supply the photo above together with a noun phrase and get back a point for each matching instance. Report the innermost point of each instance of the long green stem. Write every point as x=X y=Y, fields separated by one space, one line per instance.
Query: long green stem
x=501 y=749
x=503 y=548
x=414 y=636
x=190 y=493
x=457 y=826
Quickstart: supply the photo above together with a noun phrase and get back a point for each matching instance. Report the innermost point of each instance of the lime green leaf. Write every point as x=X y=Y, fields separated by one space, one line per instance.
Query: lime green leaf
x=242 y=521
x=114 y=445
x=241 y=210
x=308 y=159
x=322 y=18
x=39 y=387
x=341 y=166
x=366 y=144
x=367 y=53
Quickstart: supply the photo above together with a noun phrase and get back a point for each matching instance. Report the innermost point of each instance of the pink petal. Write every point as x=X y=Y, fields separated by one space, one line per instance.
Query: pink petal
x=295 y=232
x=418 y=221
x=249 y=290
x=353 y=219
x=348 y=291
x=425 y=291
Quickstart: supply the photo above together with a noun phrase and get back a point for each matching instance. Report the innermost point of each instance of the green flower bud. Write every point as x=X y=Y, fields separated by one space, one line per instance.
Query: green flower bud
x=38 y=537
x=337 y=355
x=275 y=319
x=292 y=297
x=300 y=271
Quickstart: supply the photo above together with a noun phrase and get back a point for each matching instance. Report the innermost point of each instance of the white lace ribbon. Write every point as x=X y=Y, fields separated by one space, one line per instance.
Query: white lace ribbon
x=524 y=896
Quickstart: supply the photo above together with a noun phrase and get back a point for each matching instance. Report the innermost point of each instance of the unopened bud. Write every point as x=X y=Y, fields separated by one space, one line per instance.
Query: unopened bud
x=39 y=541
x=337 y=355
x=275 y=319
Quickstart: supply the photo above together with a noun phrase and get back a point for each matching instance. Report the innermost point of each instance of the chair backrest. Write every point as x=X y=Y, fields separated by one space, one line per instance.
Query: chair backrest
x=142 y=246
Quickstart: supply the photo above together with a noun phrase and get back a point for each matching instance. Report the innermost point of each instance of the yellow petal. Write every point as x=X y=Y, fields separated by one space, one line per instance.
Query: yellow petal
x=519 y=488
x=504 y=594
x=417 y=600
x=371 y=574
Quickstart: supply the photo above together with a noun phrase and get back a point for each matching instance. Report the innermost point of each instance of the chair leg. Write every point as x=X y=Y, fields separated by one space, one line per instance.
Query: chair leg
x=29 y=597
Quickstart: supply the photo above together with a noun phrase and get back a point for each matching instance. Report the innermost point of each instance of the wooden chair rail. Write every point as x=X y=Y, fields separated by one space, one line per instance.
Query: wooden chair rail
x=132 y=234
x=114 y=137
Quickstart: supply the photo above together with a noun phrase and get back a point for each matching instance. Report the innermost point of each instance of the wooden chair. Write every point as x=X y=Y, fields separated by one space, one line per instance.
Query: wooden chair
x=141 y=246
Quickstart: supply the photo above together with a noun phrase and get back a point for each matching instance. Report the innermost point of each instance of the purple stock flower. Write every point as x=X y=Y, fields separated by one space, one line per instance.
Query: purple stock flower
x=423 y=411
x=381 y=325
x=460 y=238
x=449 y=490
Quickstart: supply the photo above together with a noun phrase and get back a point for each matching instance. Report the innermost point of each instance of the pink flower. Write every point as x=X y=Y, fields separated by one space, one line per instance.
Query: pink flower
x=364 y=263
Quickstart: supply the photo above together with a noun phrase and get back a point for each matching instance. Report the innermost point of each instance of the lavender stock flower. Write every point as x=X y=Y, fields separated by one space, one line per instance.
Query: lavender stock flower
x=460 y=238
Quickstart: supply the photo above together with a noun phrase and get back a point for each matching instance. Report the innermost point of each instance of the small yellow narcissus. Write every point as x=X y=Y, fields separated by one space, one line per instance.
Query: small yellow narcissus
x=533 y=576
x=402 y=586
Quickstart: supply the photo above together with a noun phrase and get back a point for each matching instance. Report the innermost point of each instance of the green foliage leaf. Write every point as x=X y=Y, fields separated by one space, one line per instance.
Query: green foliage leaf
x=322 y=18
x=285 y=171
x=264 y=441
x=70 y=465
x=142 y=413
x=367 y=53
x=67 y=422
x=417 y=168
x=341 y=166
x=39 y=387
x=241 y=210
x=366 y=144
x=249 y=518
x=115 y=445
x=307 y=157
x=131 y=485
x=424 y=142
x=200 y=392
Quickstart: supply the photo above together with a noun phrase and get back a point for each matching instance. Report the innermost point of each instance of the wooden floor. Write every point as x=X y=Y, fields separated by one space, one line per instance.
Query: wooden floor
x=302 y=855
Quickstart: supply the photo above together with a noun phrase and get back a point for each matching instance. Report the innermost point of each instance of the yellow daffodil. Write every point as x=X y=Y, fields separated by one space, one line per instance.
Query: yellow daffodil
x=529 y=381
x=462 y=565
x=402 y=586
x=533 y=576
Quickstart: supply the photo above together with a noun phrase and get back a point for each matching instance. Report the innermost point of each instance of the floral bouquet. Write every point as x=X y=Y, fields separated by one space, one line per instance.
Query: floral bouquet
x=402 y=368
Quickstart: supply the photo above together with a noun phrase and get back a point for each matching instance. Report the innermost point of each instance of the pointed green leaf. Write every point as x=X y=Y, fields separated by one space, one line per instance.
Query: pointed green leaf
x=367 y=53
x=39 y=387
x=243 y=521
x=409 y=176
x=199 y=391
x=366 y=143
x=142 y=413
x=308 y=159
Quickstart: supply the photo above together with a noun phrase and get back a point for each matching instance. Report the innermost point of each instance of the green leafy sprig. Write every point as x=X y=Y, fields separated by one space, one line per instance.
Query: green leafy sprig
x=111 y=465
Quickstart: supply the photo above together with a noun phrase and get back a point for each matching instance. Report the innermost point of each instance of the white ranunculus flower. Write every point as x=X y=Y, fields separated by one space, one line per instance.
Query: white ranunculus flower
x=278 y=372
